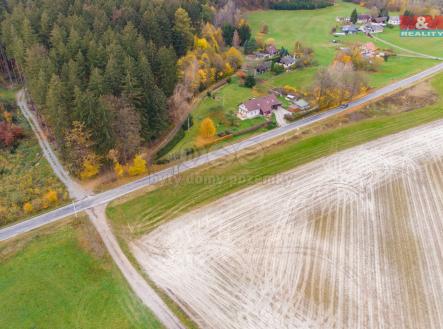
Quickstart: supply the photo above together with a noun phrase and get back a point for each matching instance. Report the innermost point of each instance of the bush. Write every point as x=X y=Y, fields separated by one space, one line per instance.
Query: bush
x=250 y=81
x=278 y=69
x=9 y=133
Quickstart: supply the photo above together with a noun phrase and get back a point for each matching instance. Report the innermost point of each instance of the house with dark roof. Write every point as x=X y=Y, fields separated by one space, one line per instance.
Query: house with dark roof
x=364 y=18
x=258 y=106
x=263 y=67
x=349 y=29
x=380 y=20
x=271 y=50
x=287 y=62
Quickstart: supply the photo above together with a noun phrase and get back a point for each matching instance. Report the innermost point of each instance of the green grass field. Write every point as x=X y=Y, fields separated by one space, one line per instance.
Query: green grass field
x=313 y=30
x=63 y=278
x=200 y=186
x=427 y=46
x=25 y=174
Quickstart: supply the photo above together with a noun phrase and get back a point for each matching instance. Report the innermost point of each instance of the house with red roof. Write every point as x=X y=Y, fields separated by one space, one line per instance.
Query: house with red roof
x=258 y=106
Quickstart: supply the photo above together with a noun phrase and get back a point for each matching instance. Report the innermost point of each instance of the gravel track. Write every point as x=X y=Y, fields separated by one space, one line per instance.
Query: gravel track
x=348 y=241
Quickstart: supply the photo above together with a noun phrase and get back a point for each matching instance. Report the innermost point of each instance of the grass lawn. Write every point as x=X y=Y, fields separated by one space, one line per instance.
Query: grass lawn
x=427 y=46
x=63 y=278
x=24 y=173
x=200 y=186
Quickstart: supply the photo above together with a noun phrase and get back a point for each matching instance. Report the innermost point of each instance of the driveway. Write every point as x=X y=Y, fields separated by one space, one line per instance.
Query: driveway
x=280 y=116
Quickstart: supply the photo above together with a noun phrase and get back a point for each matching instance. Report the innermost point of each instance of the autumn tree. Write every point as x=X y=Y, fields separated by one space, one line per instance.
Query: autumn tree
x=27 y=207
x=79 y=141
x=9 y=133
x=138 y=166
x=207 y=128
x=338 y=83
x=90 y=166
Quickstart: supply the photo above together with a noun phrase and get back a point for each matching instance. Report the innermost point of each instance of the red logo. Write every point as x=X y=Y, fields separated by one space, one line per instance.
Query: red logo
x=421 y=23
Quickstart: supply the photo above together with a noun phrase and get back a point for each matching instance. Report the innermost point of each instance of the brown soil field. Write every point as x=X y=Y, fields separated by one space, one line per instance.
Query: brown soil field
x=349 y=241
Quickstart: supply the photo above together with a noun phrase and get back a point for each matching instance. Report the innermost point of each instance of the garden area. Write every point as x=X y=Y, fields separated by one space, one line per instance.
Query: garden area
x=221 y=107
x=28 y=185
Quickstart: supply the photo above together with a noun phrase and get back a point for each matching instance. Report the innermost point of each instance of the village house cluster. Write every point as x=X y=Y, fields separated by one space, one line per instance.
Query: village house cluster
x=365 y=24
x=268 y=54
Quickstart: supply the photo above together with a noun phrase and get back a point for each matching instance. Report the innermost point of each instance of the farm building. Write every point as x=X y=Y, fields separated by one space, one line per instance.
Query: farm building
x=300 y=105
x=258 y=106
x=394 y=20
x=349 y=29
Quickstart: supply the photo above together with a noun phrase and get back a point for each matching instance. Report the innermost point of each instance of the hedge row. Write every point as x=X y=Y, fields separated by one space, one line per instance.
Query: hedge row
x=300 y=5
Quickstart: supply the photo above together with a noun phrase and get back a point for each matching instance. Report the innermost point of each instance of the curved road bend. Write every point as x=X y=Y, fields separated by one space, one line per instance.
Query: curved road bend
x=97 y=215
x=107 y=196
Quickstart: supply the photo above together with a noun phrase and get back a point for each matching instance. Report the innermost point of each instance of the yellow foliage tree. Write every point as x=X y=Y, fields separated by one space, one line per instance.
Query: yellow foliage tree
x=50 y=197
x=91 y=167
x=201 y=43
x=28 y=208
x=138 y=166
x=234 y=57
x=207 y=128
x=228 y=69
x=118 y=170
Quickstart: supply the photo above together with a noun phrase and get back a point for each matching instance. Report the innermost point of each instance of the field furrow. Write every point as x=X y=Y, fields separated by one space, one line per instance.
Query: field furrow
x=348 y=241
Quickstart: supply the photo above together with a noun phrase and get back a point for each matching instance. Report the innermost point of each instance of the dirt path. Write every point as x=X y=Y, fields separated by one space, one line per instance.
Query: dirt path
x=135 y=280
x=97 y=215
x=75 y=190
x=349 y=241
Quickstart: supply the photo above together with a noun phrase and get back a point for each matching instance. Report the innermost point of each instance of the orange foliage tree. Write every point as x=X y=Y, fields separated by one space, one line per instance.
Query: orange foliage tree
x=207 y=128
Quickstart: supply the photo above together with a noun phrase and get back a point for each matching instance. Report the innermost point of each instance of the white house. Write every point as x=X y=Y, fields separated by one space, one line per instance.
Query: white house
x=288 y=62
x=394 y=20
x=258 y=106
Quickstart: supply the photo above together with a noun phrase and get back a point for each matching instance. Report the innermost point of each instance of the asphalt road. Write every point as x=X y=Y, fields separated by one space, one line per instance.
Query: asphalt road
x=105 y=197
